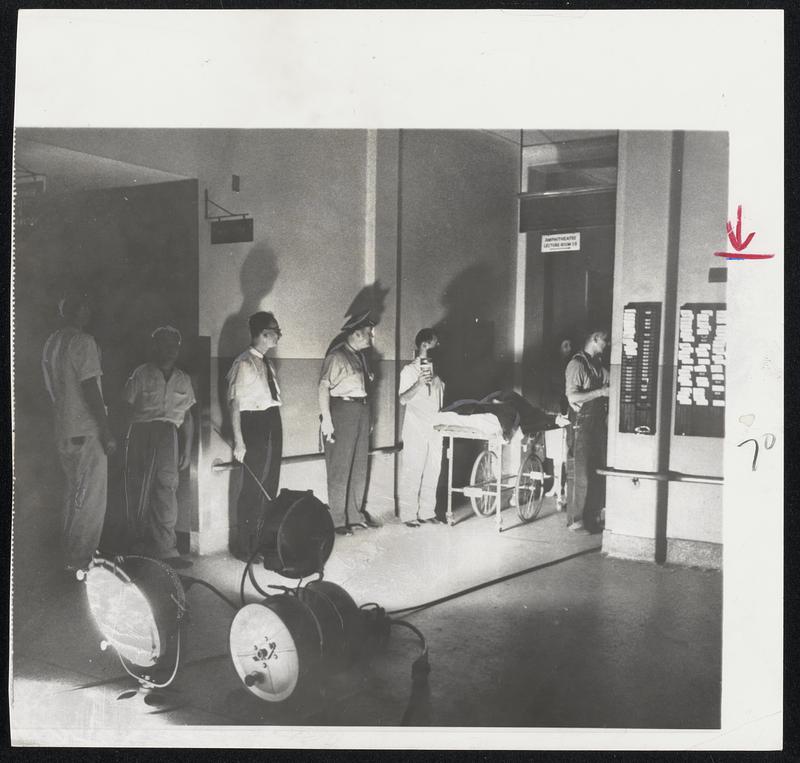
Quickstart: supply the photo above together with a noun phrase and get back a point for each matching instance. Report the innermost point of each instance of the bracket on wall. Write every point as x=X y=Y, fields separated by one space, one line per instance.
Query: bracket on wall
x=29 y=183
x=229 y=228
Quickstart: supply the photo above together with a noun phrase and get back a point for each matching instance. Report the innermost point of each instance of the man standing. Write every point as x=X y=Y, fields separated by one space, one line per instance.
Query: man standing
x=587 y=392
x=254 y=401
x=345 y=416
x=159 y=398
x=421 y=393
x=72 y=371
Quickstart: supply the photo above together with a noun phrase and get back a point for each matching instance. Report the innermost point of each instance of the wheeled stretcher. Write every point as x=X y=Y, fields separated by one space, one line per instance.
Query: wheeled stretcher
x=503 y=465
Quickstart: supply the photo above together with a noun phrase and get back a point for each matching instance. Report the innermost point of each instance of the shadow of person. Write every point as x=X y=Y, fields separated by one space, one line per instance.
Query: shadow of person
x=466 y=359
x=257 y=279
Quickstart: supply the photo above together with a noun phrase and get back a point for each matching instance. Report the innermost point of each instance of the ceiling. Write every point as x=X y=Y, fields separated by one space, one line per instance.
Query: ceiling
x=66 y=170
x=550 y=137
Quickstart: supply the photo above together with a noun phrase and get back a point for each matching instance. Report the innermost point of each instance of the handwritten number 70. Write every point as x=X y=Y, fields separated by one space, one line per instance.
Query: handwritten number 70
x=769 y=442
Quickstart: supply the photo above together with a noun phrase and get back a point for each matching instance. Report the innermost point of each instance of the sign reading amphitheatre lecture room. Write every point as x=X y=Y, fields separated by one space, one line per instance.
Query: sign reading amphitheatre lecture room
x=561 y=242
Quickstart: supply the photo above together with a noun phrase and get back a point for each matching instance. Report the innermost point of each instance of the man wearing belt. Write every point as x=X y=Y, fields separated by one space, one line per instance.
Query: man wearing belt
x=344 y=406
x=586 y=384
x=159 y=398
x=71 y=367
x=255 y=403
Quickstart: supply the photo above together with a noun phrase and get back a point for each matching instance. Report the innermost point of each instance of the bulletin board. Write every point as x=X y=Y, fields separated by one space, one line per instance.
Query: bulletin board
x=700 y=384
x=641 y=339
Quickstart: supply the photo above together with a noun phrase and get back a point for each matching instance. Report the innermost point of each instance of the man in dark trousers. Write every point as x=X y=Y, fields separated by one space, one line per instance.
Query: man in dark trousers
x=586 y=383
x=159 y=398
x=345 y=415
x=255 y=402
x=71 y=366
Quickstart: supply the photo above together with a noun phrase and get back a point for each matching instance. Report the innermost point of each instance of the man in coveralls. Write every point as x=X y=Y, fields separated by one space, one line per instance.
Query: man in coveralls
x=159 y=397
x=345 y=416
x=587 y=392
x=71 y=367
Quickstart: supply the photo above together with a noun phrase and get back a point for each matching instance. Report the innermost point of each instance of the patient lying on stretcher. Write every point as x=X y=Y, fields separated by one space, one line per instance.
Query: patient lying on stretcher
x=502 y=418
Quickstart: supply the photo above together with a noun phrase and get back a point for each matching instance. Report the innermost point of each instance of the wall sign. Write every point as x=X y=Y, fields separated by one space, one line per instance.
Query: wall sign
x=700 y=385
x=561 y=242
x=641 y=339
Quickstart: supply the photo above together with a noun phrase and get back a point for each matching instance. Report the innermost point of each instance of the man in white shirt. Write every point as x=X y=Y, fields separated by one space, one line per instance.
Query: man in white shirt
x=159 y=399
x=254 y=401
x=421 y=393
x=72 y=371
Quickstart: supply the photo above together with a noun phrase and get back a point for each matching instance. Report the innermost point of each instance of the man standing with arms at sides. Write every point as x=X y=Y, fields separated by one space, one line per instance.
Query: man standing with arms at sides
x=254 y=401
x=72 y=371
x=159 y=398
x=345 y=416
x=586 y=382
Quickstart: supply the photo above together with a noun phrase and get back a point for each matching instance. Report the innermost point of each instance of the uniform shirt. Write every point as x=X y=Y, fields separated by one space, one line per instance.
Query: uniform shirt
x=426 y=402
x=583 y=374
x=71 y=356
x=343 y=372
x=248 y=382
x=155 y=398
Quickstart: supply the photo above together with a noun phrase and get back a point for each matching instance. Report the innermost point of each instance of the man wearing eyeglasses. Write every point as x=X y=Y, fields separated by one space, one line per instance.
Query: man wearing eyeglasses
x=254 y=401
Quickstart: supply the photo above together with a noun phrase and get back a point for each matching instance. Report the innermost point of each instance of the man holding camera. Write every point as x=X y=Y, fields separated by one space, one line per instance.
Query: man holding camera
x=421 y=393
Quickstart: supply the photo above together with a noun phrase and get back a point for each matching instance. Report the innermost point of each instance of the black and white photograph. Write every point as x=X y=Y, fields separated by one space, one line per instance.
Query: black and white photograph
x=375 y=392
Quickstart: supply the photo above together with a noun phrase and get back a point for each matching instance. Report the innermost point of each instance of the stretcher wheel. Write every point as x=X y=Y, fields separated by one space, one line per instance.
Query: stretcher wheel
x=530 y=488
x=485 y=474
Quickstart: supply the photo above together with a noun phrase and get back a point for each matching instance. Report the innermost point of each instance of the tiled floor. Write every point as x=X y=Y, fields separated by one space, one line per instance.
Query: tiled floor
x=585 y=642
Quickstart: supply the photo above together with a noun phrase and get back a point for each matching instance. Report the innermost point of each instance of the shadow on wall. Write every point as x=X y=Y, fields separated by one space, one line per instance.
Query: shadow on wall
x=256 y=279
x=467 y=360
x=371 y=299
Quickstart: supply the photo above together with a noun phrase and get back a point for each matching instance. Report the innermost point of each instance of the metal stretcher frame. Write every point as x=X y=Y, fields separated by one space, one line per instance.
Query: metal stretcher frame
x=494 y=444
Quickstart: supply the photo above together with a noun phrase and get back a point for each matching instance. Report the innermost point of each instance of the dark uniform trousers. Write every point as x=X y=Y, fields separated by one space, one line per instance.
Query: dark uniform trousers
x=346 y=460
x=151 y=484
x=587 y=497
x=262 y=432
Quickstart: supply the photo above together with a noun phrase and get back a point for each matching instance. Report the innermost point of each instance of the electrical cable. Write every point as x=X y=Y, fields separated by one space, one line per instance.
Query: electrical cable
x=245 y=573
x=420 y=668
x=426 y=605
x=149 y=683
x=191 y=581
x=252 y=474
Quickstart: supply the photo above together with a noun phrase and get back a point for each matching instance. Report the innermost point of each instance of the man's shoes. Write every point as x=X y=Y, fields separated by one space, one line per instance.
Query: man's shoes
x=344 y=530
x=371 y=521
x=578 y=528
x=411 y=524
x=178 y=562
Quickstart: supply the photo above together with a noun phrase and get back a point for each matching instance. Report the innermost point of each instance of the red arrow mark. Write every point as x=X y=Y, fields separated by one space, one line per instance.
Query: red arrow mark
x=737 y=243
x=736 y=238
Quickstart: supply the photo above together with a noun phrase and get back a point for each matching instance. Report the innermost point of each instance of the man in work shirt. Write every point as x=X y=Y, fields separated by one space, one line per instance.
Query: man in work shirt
x=586 y=382
x=71 y=367
x=345 y=416
x=254 y=400
x=159 y=398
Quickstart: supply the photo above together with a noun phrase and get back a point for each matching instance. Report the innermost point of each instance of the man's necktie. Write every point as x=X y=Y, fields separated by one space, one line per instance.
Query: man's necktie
x=273 y=390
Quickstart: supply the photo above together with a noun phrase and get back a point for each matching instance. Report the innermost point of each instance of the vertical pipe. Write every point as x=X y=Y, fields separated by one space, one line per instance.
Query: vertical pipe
x=668 y=352
x=398 y=274
x=370 y=207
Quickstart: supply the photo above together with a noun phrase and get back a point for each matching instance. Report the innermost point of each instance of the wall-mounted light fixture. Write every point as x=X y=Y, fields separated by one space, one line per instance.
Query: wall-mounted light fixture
x=229 y=228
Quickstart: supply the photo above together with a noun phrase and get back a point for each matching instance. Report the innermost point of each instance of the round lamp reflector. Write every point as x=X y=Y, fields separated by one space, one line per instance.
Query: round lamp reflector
x=264 y=653
x=123 y=615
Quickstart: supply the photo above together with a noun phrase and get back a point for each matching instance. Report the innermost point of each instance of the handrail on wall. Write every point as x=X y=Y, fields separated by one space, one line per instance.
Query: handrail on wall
x=668 y=476
x=219 y=466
